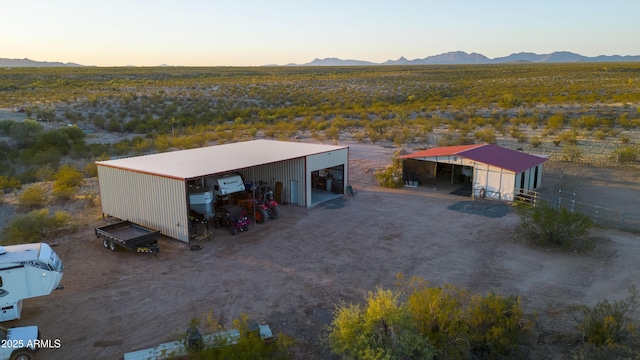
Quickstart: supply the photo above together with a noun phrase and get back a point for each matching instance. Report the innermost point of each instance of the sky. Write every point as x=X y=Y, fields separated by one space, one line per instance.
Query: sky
x=279 y=32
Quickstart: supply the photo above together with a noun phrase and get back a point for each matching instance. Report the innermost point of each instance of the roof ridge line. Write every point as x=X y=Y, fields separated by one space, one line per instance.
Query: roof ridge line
x=475 y=146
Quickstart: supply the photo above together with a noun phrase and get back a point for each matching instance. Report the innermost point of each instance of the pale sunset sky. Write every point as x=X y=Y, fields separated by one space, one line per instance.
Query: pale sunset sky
x=255 y=33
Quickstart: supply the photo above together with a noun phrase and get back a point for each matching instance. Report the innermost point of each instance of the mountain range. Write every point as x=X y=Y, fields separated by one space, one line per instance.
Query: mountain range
x=461 y=57
x=450 y=58
x=31 y=63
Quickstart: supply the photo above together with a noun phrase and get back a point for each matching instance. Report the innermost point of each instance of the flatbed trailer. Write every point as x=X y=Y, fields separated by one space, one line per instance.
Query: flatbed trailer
x=130 y=236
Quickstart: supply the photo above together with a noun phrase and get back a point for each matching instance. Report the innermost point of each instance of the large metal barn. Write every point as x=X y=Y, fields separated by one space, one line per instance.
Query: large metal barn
x=483 y=170
x=155 y=190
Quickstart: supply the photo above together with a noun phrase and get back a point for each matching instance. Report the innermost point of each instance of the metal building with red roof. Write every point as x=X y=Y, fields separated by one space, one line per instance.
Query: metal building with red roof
x=486 y=169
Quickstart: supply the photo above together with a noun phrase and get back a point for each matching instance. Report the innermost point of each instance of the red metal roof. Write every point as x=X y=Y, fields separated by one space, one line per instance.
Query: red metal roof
x=440 y=151
x=494 y=155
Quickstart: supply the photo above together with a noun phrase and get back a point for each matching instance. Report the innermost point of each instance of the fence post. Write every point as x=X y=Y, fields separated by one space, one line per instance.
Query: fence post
x=558 y=203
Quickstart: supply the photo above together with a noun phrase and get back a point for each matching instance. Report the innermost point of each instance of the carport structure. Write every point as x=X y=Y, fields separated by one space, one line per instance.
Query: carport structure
x=153 y=190
x=486 y=170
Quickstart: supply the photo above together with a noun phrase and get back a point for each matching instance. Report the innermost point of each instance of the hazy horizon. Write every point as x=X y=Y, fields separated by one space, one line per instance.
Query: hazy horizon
x=255 y=33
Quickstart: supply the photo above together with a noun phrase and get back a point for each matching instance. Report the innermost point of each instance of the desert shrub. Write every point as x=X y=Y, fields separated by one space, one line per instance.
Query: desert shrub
x=545 y=225
x=390 y=177
x=380 y=329
x=625 y=155
x=496 y=325
x=45 y=173
x=9 y=183
x=486 y=136
x=610 y=324
x=463 y=325
x=571 y=153
x=67 y=182
x=34 y=226
x=34 y=195
x=360 y=136
x=535 y=141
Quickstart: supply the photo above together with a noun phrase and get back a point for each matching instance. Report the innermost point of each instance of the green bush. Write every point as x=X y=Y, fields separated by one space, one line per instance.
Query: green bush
x=609 y=324
x=9 y=183
x=626 y=155
x=390 y=177
x=34 y=226
x=34 y=195
x=67 y=182
x=544 y=226
x=444 y=322
x=381 y=329
x=571 y=153
x=463 y=325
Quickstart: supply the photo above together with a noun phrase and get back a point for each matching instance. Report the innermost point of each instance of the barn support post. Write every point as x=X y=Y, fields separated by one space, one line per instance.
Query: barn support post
x=453 y=170
x=188 y=224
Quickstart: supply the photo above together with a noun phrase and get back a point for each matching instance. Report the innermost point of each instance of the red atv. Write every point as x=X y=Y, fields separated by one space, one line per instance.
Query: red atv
x=232 y=216
x=270 y=205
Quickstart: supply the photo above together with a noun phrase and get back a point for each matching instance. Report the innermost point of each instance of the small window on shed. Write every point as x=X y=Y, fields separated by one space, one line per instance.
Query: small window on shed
x=535 y=178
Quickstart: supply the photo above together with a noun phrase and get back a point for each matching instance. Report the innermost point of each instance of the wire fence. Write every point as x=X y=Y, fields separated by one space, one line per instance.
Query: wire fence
x=601 y=216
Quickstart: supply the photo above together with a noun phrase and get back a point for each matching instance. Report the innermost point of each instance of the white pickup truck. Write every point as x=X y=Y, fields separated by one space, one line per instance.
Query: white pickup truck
x=18 y=343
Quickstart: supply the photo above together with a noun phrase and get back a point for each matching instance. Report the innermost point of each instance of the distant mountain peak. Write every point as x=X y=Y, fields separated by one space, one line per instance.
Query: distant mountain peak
x=461 y=57
x=451 y=58
x=31 y=63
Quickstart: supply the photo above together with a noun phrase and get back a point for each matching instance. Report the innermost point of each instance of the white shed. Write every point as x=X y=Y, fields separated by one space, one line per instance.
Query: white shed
x=153 y=190
x=489 y=170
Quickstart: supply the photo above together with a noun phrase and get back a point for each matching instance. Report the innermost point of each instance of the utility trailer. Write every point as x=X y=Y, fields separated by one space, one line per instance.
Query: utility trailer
x=130 y=236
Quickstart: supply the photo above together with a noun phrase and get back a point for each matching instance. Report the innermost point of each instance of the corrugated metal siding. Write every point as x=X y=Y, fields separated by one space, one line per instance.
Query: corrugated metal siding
x=154 y=201
x=283 y=171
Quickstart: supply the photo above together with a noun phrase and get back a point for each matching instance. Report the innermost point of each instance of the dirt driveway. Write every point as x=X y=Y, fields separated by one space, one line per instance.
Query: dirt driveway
x=292 y=271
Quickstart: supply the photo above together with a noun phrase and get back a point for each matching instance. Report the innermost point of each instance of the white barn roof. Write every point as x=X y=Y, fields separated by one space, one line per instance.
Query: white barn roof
x=195 y=163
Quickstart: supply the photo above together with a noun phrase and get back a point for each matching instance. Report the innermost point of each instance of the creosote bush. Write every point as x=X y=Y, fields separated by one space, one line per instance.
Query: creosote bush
x=548 y=226
x=609 y=323
x=382 y=328
x=391 y=175
x=447 y=322
x=33 y=196
x=34 y=226
x=68 y=180
x=9 y=183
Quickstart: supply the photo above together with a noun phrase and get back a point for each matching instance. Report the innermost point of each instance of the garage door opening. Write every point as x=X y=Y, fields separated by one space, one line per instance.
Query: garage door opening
x=450 y=178
x=327 y=184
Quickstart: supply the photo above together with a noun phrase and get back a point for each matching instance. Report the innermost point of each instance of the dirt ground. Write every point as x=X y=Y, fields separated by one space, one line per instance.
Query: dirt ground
x=291 y=272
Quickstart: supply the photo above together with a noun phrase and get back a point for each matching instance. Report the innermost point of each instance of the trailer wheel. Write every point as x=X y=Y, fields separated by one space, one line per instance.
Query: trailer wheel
x=112 y=246
x=21 y=355
x=105 y=243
